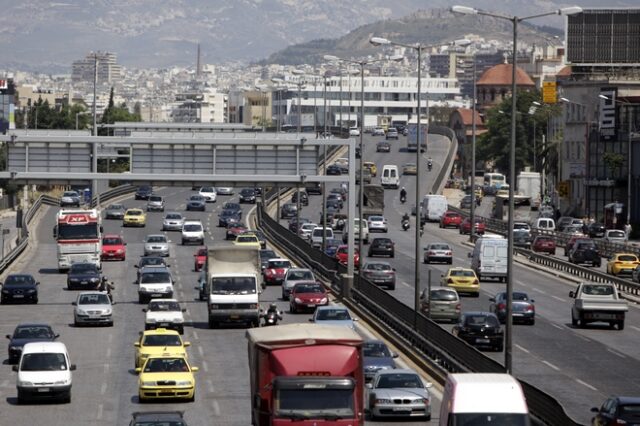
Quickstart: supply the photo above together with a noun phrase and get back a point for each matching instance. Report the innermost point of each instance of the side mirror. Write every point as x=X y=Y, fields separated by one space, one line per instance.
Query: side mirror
x=138 y=370
x=135 y=266
x=310 y=319
x=194 y=369
x=74 y=303
x=72 y=367
x=428 y=385
x=533 y=301
x=394 y=355
x=136 y=344
x=369 y=385
x=184 y=310
x=37 y=283
x=571 y=294
x=492 y=299
x=469 y=255
x=355 y=319
x=185 y=344
x=55 y=336
x=144 y=309
x=15 y=368
x=8 y=336
x=196 y=288
x=595 y=410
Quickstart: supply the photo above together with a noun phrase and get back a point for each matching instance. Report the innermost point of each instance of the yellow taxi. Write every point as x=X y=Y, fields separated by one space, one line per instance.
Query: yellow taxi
x=409 y=169
x=622 y=263
x=479 y=193
x=166 y=377
x=371 y=166
x=134 y=217
x=248 y=240
x=159 y=342
x=463 y=280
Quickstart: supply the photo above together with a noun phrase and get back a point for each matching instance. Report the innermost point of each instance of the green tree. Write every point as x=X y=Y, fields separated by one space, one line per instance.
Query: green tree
x=115 y=113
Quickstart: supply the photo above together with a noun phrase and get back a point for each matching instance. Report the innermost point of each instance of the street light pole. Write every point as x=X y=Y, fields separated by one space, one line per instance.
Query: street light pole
x=512 y=167
x=95 y=130
x=473 y=153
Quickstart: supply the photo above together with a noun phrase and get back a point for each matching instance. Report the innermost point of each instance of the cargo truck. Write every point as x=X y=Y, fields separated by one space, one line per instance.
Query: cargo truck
x=529 y=186
x=373 y=197
x=306 y=374
x=597 y=302
x=234 y=282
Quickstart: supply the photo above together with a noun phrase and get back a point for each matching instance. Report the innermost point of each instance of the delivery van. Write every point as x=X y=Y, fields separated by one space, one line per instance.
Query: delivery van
x=489 y=258
x=433 y=208
x=483 y=398
x=390 y=177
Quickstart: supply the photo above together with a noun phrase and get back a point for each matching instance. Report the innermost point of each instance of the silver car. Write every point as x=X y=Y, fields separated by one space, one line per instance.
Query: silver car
x=172 y=221
x=155 y=203
x=438 y=252
x=399 y=393
x=294 y=276
x=224 y=190
x=114 y=211
x=441 y=304
x=156 y=244
x=377 y=224
x=93 y=307
x=70 y=198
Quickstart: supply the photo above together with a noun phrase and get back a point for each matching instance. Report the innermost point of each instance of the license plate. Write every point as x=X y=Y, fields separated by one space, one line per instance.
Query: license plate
x=84 y=282
x=234 y=316
x=401 y=410
x=18 y=296
x=156 y=295
x=43 y=390
x=482 y=340
x=111 y=254
x=164 y=324
x=311 y=305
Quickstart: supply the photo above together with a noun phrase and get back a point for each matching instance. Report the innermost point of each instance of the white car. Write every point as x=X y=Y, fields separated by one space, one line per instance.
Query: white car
x=172 y=221
x=209 y=193
x=192 y=231
x=92 y=307
x=225 y=190
x=377 y=224
x=378 y=131
x=164 y=313
x=354 y=131
x=615 y=236
x=306 y=230
x=154 y=282
x=521 y=225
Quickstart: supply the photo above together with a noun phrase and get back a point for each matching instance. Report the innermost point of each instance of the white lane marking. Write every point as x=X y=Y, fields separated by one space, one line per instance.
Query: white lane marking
x=108 y=352
x=522 y=349
x=616 y=353
x=195 y=334
x=586 y=384
x=406 y=284
x=216 y=408
x=106 y=368
x=210 y=386
x=635 y=328
x=551 y=365
x=99 y=415
x=110 y=337
x=205 y=366
x=201 y=351
x=537 y=289
x=557 y=298
x=557 y=326
x=103 y=389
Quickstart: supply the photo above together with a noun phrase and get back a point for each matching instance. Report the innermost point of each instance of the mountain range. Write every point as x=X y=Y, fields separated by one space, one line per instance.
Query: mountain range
x=49 y=35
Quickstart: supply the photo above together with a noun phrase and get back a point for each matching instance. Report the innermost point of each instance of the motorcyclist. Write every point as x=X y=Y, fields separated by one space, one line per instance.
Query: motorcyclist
x=429 y=163
x=403 y=194
x=405 y=217
x=105 y=286
x=273 y=309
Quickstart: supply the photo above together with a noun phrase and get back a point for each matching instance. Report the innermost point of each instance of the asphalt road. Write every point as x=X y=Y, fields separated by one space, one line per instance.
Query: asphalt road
x=104 y=384
x=579 y=367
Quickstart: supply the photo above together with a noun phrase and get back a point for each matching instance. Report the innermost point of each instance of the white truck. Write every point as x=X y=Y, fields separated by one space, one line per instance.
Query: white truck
x=234 y=284
x=528 y=185
x=597 y=302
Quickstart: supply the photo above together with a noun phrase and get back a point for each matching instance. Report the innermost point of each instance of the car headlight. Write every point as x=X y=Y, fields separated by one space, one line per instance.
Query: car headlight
x=148 y=383
x=297 y=300
x=107 y=312
x=5 y=291
x=178 y=320
x=184 y=383
x=31 y=291
x=119 y=251
x=61 y=382
x=94 y=280
x=81 y=312
x=324 y=300
x=15 y=348
x=150 y=320
x=168 y=289
x=214 y=306
x=383 y=401
x=21 y=383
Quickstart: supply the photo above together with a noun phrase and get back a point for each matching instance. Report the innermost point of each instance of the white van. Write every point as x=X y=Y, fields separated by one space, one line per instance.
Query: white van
x=483 y=398
x=356 y=233
x=317 y=233
x=44 y=371
x=390 y=176
x=489 y=258
x=433 y=207
x=544 y=224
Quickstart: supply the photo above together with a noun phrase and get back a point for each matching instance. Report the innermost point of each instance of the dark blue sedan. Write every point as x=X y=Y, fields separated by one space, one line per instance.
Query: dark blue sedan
x=27 y=333
x=19 y=288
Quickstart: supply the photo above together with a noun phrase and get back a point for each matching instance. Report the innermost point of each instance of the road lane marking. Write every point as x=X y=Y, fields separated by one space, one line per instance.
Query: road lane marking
x=103 y=389
x=106 y=368
x=586 y=384
x=557 y=298
x=551 y=365
x=108 y=352
x=99 y=415
x=205 y=366
x=216 y=408
x=195 y=335
x=616 y=353
x=635 y=328
x=201 y=351
x=522 y=349
x=210 y=386
x=406 y=284
x=537 y=289
x=557 y=326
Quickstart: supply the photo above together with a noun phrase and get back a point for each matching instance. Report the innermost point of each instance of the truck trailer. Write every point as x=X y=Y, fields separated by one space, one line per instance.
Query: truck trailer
x=307 y=374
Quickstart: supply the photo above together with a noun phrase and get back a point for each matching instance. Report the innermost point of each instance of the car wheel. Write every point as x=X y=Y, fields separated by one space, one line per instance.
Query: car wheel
x=500 y=347
x=35 y=301
x=140 y=299
x=574 y=321
x=21 y=398
x=532 y=322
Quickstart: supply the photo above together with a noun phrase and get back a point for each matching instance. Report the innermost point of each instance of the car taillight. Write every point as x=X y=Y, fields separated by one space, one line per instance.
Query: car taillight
x=618 y=262
x=530 y=308
x=476 y=281
x=448 y=253
x=502 y=306
x=450 y=281
x=458 y=307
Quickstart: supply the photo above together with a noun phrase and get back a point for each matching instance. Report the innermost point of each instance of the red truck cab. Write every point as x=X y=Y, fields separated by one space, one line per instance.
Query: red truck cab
x=307 y=374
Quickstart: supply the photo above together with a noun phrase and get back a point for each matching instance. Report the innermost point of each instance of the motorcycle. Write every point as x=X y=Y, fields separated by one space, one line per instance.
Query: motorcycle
x=403 y=199
x=270 y=318
x=105 y=286
x=405 y=224
x=429 y=165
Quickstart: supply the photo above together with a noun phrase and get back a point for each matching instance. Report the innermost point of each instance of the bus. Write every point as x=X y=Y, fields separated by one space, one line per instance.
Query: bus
x=494 y=179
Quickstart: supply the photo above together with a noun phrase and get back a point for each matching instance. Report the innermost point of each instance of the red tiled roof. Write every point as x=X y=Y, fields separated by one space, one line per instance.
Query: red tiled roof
x=466 y=115
x=564 y=72
x=500 y=75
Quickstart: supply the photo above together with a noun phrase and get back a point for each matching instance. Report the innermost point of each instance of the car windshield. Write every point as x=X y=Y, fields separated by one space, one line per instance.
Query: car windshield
x=202 y=252
x=173 y=216
x=598 y=290
x=19 y=280
x=207 y=189
x=149 y=261
x=485 y=320
x=111 y=241
x=70 y=194
x=616 y=234
x=156 y=239
x=308 y=288
x=267 y=254
x=83 y=268
x=233 y=285
x=544 y=239
x=376 y=350
x=43 y=361
x=155 y=198
x=161 y=365
x=164 y=306
x=377 y=267
x=400 y=380
x=520 y=296
x=134 y=212
x=192 y=228
x=231 y=206
x=161 y=340
x=300 y=275
x=247 y=239
x=332 y=315
x=33 y=332
x=376 y=218
x=227 y=213
x=279 y=264
x=94 y=299
x=461 y=273
x=155 y=278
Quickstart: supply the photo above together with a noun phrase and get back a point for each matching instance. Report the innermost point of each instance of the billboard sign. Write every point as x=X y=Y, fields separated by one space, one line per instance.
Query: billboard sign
x=607 y=109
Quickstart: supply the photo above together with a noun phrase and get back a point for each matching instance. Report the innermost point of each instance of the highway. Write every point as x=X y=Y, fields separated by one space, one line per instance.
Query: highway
x=104 y=385
x=579 y=367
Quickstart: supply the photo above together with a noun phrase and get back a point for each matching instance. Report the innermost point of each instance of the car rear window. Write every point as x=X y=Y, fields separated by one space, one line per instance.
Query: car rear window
x=461 y=273
x=443 y=295
x=627 y=258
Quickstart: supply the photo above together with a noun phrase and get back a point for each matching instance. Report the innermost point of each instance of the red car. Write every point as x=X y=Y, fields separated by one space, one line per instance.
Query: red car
x=113 y=247
x=544 y=244
x=200 y=258
x=450 y=218
x=307 y=295
x=235 y=229
x=465 y=226
x=343 y=252
x=275 y=270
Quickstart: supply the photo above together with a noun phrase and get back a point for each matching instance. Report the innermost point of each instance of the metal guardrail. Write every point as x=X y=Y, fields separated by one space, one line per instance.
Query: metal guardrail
x=444 y=352
x=445 y=171
x=23 y=240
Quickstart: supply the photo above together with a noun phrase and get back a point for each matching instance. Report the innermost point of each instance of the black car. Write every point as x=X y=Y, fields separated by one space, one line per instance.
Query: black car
x=337 y=197
x=585 y=251
x=334 y=169
x=523 y=309
x=143 y=192
x=480 y=329
x=149 y=261
x=19 y=288
x=196 y=202
x=83 y=275
x=158 y=418
x=617 y=410
x=383 y=146
x=227 y=217
x=304 y=198
x=314 y=188
x=288 y=211
x=232 y=206
x=489 y=190
x=26 y=333
x=377 y=356
x=381 y=247
x=265 y=255
x=596 y=230
x=522 y=238
x=248 y=195
x=333 y=204
x=465 y=202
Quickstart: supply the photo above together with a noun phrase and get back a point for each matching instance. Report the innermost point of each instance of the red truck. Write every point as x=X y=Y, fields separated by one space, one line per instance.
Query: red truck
x=307 y=374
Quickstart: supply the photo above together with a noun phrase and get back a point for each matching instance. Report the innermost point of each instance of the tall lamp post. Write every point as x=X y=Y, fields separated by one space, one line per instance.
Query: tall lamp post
x=361 y=64
x=512 y=158
x=379 y=41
